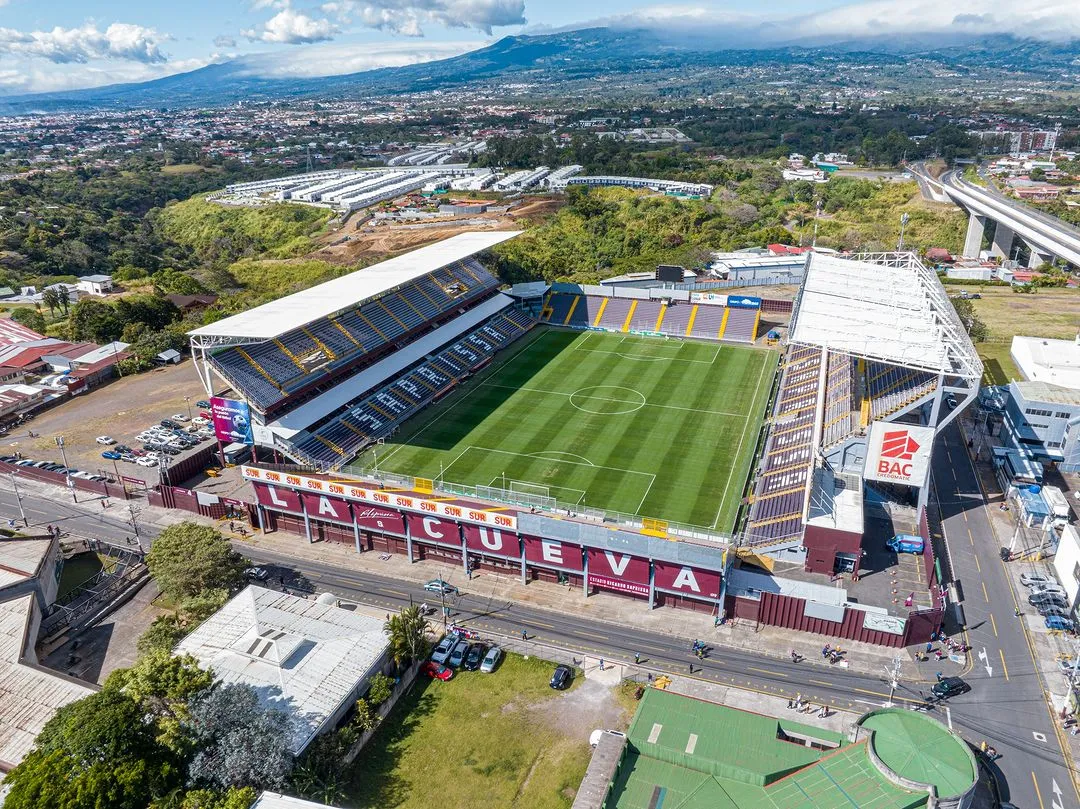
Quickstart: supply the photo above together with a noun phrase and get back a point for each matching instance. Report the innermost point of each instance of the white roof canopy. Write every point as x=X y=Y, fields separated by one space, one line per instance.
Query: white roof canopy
x=293 y=311
x=896 y=312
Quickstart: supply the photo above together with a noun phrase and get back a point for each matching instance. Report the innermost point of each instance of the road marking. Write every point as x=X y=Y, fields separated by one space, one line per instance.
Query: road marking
x=986 y=597
x=541 y=623
x=1000 y=652
x=766 y=671
x=820 y=682
x=397 y=593
x=971 y=537
x=1038 y=792
x=1039 y=737
x=979 y=568
x=993 y=624
x=588 y=634
x=985 y=658
x=964 y=515
x=1057 y=804
x=948 y=716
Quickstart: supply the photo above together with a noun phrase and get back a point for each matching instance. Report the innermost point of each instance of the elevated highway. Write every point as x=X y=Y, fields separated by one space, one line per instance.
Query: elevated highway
x=1046 y=236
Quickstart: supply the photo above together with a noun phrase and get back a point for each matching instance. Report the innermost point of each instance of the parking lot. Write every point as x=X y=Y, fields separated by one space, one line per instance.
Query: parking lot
x=121 y=409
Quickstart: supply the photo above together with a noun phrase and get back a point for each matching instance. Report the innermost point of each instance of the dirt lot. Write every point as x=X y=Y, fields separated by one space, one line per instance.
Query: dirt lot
x=121 y=409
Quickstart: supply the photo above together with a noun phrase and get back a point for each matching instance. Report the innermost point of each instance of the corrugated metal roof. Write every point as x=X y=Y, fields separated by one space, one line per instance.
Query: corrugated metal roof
x=303 y=658
x=29 y=696
x=275 y=800
x=21 y=558
x=293 y=311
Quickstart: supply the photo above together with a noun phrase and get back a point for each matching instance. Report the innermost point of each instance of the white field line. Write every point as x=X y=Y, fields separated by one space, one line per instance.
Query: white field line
x=607 y=399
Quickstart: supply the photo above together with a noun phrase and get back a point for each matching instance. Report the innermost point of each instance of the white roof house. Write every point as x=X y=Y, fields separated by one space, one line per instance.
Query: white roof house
x=306 y=659
x=275 y=800
x=895 y=312
x=1040 y=359
x=293 y=311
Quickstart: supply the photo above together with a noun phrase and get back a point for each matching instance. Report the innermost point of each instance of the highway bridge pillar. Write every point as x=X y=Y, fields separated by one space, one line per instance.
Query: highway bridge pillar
x=1001 y=246
x=973 y=241
x=1037 y=257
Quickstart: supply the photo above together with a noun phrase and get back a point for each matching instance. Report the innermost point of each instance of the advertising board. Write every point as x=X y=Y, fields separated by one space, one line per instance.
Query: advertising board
x=898 y=453
x=232 y=420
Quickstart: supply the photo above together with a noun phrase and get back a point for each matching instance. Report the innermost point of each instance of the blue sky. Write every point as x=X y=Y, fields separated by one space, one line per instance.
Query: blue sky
x=64 y=44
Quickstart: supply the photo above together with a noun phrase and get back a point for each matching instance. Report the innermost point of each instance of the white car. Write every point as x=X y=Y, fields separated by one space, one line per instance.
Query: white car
x=106 y=440
x=1049 y=589
x=179 y=417
x=1036 y=580
x=146 y=461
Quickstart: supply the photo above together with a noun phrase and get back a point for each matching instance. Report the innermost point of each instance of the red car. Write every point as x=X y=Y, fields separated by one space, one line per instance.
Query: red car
x=438 y=671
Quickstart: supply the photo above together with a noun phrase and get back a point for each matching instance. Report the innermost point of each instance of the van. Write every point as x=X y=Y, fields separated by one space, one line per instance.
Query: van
x=906 y=543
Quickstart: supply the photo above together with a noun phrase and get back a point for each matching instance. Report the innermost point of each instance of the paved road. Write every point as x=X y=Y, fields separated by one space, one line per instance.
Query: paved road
x=1006 y=706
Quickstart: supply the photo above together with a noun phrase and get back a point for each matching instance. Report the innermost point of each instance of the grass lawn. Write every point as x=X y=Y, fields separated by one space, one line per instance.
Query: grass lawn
x=478 y=740
x=640 y=425
x=1046 y=313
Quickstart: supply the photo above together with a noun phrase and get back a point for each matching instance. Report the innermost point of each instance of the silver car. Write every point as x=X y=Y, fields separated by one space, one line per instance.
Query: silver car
x=445 y=647
x=491 y=660
x=1035 y=580
x=456 y=656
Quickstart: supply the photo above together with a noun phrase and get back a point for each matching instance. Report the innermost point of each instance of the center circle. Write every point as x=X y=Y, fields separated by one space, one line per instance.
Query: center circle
x=604 y=400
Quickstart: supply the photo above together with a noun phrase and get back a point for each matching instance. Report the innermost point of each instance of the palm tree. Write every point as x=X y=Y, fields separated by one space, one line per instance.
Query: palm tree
x=52 y=298
x=406 y=631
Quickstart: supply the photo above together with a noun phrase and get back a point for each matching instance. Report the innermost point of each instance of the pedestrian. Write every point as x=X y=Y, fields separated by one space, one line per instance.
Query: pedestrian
x=929 y=647
x=601 y=664
x=524 y=635
x=637 y=658
x=649 y=676
x=939 y=676
x=691 y=668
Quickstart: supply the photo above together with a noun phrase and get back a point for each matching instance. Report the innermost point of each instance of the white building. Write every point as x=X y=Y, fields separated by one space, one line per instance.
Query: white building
x=1041 y=359
x=1066 y=562
x=307 y=659
x=99 y=285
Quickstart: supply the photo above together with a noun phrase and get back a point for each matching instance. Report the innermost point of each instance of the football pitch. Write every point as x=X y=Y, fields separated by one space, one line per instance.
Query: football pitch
x=659 y=428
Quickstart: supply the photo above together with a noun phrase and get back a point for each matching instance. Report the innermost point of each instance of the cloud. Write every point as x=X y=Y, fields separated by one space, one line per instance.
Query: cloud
x=120 y=41
x=717 y=27
x=408 y=17
x=36 y=76
x=292 y=27
x=335 y=59
x=224 y=42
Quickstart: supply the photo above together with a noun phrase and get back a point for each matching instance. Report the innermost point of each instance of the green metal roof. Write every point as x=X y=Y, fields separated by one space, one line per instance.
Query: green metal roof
x=921 y=749
x=685 y=753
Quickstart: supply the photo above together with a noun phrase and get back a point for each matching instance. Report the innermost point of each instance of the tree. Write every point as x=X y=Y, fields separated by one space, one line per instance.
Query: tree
x=188 y=558
x=98 y=751
x=31 y=318
x=239 y=742
x=976 y=329
x=53 y=298
x=1037 y=174
x=406 y=631
x=164 y=684
x=380 y=689
x=174 y=282
x=94 y=320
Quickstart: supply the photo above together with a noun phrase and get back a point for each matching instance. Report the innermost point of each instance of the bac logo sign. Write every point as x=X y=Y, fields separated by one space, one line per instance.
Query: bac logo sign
x=898 y=454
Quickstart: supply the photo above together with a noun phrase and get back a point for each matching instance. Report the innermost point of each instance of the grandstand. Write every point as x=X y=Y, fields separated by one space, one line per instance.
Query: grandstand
x=871 y=340
x=332 y=368
x=705 y=321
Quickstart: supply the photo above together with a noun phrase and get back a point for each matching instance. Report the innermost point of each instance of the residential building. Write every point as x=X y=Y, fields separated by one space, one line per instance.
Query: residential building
x=1042 y=421
x=308 y=659
x=99 y=285
x=1042 y=359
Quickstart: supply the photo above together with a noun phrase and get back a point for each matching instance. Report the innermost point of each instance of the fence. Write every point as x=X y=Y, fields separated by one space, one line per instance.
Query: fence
x=401 y=687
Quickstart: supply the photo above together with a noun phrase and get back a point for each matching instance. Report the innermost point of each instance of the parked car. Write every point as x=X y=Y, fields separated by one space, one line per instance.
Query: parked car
x=111 y=456
x=1050 y=589
x=106 y=440
x=127 y=458
x=1039 y=599
x=438 y=585
x=437 y=671
x=8 y=458
x=1046 y=612
x=561 y=678
x=491 y=660
x=1062 y=624
x=180 y=417
x=949 y=687
x=26 y=462
x=202 y=403
x=144 y=461
x=1067 y=666
x=458 y=654
x=444 y=648
x=257 y=573
x=474 y=657
x=1035 y=580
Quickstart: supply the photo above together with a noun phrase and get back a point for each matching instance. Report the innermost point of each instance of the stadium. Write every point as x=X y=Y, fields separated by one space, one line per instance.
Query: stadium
x=646 y=441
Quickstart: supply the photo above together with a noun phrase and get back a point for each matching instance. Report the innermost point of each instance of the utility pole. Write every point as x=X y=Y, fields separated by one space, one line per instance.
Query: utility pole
x=894 y=680
x=817 y=213
x=22 y=511
x=904 y=219
x=67 y=472
x=134 y=512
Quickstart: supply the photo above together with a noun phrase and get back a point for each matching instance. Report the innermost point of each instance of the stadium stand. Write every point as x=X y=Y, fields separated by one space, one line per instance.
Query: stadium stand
x=891 y=388
x=377 y=413
x=269 y=371
x=841 y=417
x=704 y=321
x=776 y=508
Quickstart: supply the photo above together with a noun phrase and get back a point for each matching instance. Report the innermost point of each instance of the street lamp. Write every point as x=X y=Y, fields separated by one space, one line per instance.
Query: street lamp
x=67 y=472
x=18 y=496
x=187 y=401
x=904 y=219
x=134 y=512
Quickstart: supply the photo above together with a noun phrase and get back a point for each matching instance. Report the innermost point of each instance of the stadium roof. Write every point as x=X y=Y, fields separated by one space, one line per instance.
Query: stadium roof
x=303 y=658
x=891 y=309
x=293 y=311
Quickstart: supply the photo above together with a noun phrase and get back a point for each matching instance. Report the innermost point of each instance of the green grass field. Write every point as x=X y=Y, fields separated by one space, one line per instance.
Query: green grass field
x=640 y=425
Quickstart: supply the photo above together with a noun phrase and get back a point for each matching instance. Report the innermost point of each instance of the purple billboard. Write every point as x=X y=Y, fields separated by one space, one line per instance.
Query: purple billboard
x=232 y=420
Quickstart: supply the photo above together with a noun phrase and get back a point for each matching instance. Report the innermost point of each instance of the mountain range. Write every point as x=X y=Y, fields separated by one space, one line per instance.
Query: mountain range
x=556 y=60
